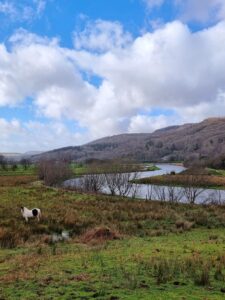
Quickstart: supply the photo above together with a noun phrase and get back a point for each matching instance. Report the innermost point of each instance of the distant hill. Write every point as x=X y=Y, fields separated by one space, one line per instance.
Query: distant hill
x=18 y=156
x=174 y=143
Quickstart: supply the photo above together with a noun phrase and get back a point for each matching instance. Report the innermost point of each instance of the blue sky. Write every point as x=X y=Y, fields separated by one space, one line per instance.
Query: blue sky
x=76 y=70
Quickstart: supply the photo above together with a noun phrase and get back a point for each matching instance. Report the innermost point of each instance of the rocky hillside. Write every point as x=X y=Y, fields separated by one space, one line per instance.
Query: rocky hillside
x=200 y=140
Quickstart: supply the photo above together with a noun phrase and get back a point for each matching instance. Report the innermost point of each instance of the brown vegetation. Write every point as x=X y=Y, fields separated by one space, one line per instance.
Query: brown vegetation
x=99 y=235
x=53 y=172
x=80 y=213
x=182 y=180
x=16 y=180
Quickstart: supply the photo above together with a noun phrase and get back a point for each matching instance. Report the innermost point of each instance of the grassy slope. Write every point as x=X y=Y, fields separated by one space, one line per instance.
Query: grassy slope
x=166 y=252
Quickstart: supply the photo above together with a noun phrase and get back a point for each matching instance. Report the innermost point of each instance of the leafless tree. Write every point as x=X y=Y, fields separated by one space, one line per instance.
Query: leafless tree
x=160 y=192
x=53 y=172
x=192 y=189
x=125 y=183
x=119 y=180
x=215 y=198
x=149 y=192
x=134 y=191
x=92 y=183
x=111 y=180
x=174 y=194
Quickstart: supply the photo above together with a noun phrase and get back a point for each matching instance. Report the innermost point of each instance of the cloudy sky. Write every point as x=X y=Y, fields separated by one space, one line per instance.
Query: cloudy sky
x=75 y=70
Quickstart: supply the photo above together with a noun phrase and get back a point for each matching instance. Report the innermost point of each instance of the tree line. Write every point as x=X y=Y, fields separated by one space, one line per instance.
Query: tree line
x=7 y=164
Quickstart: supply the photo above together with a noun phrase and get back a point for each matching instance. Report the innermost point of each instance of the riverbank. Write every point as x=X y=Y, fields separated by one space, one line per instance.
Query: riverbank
x=202 y=178
x=111 y=167
x=118 y=248
x=207 y=182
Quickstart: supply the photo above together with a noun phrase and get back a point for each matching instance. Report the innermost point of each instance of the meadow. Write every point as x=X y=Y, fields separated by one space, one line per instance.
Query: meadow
x=118 y=248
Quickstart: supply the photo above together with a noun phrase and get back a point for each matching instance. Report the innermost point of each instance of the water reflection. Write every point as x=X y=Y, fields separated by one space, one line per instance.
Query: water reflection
x=164 y=193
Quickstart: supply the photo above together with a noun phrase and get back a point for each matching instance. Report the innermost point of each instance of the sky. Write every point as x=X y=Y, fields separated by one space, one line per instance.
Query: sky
x=72 y=71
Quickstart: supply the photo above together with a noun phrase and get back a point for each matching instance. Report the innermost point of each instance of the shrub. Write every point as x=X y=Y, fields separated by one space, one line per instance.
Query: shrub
x=53 y=172
x=8 y=239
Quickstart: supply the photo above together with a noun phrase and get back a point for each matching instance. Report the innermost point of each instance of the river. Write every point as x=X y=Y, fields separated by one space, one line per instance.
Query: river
x=153 y=192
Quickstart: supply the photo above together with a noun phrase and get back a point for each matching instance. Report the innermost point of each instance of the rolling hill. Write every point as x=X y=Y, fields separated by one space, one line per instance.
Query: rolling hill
x=189 y=141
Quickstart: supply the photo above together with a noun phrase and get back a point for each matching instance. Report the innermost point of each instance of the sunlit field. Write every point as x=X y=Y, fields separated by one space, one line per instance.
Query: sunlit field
x=118 y=248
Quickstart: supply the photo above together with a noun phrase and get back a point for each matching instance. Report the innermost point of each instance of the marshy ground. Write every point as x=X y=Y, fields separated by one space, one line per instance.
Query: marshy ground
x=119 y=248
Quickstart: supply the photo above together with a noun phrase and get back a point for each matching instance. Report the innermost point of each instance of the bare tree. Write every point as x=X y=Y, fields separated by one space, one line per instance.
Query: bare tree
x=192 y=189
x=111 y=180
x=92 y=183
x=134 y=190
x=160 y=192
x=53 y=172
x=215 y=198
x=149 y=192
x=125 y=183
x=174 y=194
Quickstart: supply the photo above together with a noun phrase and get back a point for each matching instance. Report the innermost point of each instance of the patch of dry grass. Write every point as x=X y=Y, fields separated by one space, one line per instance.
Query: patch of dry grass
x=16 y=180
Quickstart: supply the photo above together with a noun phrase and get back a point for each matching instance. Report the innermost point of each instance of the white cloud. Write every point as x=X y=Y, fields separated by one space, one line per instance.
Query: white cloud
x=144 y=123
x=153 y=3
x=53 y=81
x=19 y=11
x=170 y=68
x=203 y=11
x=9 y=127
x=20 y=137
x=101 y=36
x=40 y=6
x=7 y=8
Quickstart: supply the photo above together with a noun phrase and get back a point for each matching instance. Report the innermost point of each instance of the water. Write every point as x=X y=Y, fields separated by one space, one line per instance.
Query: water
x=153 y=192
x=164 y=169
x=64 y=236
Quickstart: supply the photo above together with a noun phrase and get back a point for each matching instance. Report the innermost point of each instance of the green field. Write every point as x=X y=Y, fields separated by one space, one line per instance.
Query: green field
x=78 y=169
x=119 y=248
x=82 y=168
x=20 y=170
x=216 y=172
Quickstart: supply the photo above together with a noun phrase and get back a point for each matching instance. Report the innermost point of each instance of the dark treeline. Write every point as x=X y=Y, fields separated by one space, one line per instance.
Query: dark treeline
x=7 y=164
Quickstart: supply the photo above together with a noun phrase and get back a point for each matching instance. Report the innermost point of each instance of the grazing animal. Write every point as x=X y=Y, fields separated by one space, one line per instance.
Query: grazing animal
x=31 y=213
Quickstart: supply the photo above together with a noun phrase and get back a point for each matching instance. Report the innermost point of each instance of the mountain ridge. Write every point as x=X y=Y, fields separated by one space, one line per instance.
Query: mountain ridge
x=173 y=143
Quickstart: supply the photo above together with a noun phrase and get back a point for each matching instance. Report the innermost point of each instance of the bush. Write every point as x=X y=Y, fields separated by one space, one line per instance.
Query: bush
x=53 y=172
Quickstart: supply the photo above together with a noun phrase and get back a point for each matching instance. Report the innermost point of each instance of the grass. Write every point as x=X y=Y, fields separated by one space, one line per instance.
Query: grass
x=152 y=168
x=77 y=168
x=216 y=172
x=212 y=181
x=119 y=248
x=20 y=170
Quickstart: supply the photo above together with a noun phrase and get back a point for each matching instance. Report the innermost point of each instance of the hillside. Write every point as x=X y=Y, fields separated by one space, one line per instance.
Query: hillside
x=200 y=140
x=18 y=156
